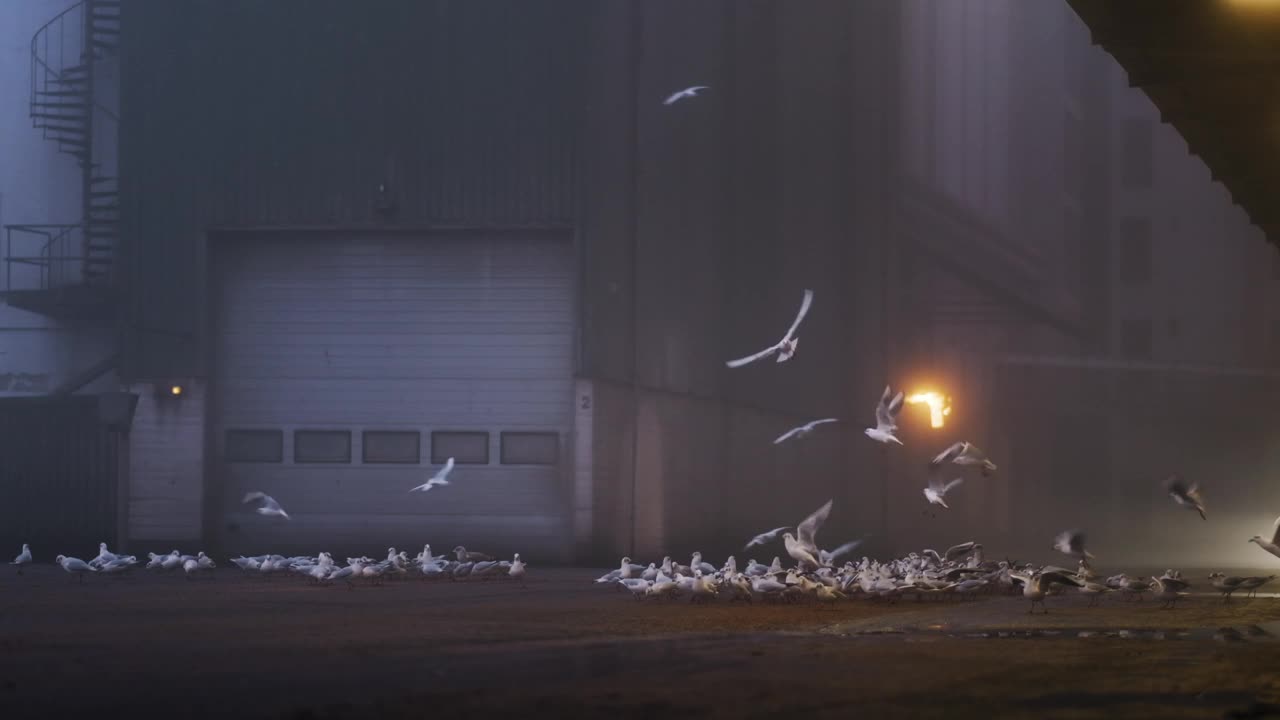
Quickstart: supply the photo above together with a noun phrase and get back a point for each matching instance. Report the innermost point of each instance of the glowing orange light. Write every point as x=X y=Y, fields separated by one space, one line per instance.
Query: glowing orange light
x=939 y=406
x=175 y=390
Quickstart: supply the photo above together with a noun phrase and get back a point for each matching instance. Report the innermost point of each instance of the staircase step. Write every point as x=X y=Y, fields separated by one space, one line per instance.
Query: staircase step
x=66 y=104
x=100 y=180
x=61 y=94
x=75 y=70
x=104 y=44
x=100 y=248
x=103 y=193
x=104 y=30
x=69 y=116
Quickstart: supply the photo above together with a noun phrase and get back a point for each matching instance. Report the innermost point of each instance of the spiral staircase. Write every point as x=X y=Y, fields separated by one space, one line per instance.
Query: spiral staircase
x=66 y=270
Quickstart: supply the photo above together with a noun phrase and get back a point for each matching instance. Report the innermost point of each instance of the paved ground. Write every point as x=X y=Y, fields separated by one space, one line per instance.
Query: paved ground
x=152 y=646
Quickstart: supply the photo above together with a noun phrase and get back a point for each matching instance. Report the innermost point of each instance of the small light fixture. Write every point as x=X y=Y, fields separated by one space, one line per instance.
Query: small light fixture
x=175 y=390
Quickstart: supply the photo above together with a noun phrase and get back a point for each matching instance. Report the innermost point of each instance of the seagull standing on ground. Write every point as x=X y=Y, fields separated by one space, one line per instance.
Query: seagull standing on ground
x=803 y=430
x=886 y=418
x=75 y=566
x=786 y=347
x=937 y=491
x=964 y=453
x=1273 y=545
x=1185 y=495
x=440 y=478
x=270 y=507
x=689 y=92
x=1036 y=586
x=24 y=557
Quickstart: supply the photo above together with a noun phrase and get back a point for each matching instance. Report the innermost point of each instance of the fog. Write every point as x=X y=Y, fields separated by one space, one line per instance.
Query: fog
x=1054 y=259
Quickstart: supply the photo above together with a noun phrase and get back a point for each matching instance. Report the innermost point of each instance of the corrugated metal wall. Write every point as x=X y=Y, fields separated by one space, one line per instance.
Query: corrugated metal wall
x=58 y=473
x=241 y=113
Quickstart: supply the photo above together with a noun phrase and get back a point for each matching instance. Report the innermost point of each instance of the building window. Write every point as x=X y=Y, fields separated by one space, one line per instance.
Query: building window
x=530 y=448
x=254 y=446
x=1135 y=251
x=466 y=448
x=1137 y=152
x=391 y=446
x=322 y=446
x=1135 y=338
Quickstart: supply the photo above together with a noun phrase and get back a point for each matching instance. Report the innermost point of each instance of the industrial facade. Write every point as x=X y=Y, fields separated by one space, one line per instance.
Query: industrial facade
x=541 y=271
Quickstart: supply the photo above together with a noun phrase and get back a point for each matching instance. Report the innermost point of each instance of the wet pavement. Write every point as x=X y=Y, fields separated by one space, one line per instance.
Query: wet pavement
x=162 y=646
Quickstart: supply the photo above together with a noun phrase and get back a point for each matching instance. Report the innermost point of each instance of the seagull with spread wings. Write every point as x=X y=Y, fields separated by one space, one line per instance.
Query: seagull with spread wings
x=786 y=347
x=886 y=418
x=1186 y=495
x=270 y=507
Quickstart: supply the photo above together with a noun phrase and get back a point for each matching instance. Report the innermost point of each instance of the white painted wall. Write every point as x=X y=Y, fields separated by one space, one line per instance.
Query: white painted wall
x=37 y=185
x=166 y=465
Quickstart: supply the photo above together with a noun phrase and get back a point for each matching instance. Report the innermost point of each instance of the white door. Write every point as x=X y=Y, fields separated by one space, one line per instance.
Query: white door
x=347 y=369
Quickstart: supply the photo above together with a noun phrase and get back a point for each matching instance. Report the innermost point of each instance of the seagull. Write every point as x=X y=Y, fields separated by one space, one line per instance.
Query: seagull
x=75 y=565
x=786 y=347
x=1036 y=586
x=1185 y=495
x=802 y=547
x=269 y=504
x=1169 y=590
x=964 y=453
x=829 y=558
x=24 y=557
x=803 y=430
x=516 y=571
x=689 y=92
x=465 y=556
x=440 y=478
x=765 y=537
x=1251 y=584
x=1273 y=545
x=936 y=491
x=1225 y=584
x=886 y=418
x=1071 y=542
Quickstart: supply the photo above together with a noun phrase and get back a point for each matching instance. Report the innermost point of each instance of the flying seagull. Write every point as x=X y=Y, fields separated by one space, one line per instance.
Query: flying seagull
x=1273 y=545
x=765 y=537
x=829 y=558
x=937 y=491
x=964 y=453
x=1071 y=542
x=440 y=478
x=786 y=347
x=799 y=432
x=886 y=418
x=269 y=504
x=1185 y=495
x=803 y=546
x=689 y=92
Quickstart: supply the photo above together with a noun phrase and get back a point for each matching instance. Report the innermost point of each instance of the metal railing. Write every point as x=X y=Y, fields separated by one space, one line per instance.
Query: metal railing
x=59 y=44
x=42 y=257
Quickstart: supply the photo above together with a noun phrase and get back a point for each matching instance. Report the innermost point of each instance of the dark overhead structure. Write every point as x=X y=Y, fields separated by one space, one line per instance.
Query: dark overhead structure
x=1212 y=68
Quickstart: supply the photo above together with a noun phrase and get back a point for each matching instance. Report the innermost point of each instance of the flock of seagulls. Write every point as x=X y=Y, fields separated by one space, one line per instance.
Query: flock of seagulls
x=958 y=572
x=320 y=570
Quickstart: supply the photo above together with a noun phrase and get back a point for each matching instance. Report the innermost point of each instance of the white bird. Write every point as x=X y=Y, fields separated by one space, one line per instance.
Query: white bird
x=765 y=537
x=964 y=453
x=803 y=546
x=1185 y=495
x=440 y=478
x=75 y=566
x=516 y=571
x=689 y=92
x=1273 y=545
x=829 y=558
x=104 y=556
x=886 y=418
x=24 y=558
x=786 y=347
x=1036 y=586
x=937 y=491
x=1071 y=542
x=269 y=505
x=801 y=431
x=1169 y=590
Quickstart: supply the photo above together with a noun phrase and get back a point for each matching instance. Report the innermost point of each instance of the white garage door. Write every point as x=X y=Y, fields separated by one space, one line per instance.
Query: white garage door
x=348 y=369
